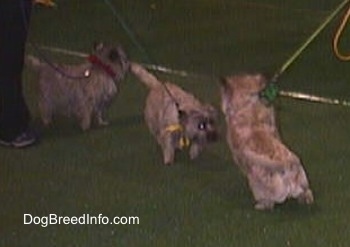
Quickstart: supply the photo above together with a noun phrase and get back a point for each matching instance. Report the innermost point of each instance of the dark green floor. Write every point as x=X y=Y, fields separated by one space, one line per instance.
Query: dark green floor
x=118 y=171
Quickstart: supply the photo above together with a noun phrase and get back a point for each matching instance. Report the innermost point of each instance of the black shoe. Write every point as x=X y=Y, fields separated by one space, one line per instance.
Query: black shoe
x=25 y=139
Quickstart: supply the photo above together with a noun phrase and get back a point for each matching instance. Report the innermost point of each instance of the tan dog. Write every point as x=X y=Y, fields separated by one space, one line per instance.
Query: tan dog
x=274 y=172
x=84 y=91
x=190 y=123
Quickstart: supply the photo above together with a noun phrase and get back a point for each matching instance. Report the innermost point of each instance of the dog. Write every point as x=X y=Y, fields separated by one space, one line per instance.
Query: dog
x=83 y=91
x=274 y=172
x=176 y=118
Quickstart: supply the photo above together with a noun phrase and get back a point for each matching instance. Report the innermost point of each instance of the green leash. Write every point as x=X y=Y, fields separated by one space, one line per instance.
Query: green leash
x=270 y=92
x=128 y=31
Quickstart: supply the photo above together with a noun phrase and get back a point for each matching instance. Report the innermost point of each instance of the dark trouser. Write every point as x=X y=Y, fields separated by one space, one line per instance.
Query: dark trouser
x=14 y=113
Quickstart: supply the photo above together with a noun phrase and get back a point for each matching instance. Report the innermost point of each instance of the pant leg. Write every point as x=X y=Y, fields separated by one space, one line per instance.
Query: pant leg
x=14 y=113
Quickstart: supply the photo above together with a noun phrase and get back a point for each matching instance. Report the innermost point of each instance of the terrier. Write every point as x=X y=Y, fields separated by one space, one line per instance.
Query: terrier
x=175 y=117
x=274 y=172
x=83 y=91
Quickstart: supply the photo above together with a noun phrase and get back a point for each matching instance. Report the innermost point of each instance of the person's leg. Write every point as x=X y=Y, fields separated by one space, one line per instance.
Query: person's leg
x=14 y=113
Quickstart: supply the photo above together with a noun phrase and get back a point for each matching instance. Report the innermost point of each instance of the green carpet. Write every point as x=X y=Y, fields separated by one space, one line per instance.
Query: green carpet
x=118 y=171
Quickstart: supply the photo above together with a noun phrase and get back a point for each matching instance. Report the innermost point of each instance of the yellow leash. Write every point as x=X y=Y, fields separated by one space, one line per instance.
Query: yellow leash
x=339 y=32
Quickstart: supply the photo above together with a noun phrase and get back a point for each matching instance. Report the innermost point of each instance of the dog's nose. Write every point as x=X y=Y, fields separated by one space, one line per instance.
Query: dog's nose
x=212 y=136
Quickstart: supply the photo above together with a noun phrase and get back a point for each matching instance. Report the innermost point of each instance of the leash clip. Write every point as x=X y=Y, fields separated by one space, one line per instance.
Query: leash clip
x=269 y=93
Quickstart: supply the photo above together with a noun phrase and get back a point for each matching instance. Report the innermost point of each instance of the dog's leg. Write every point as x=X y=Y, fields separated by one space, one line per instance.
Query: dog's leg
x=168 y=150
x=85 y=123
x=259 y=190
x=85 y=118
x=306 y=197
x=45 y=112
x=195 y=149
x=101 y=120
x=264 y=205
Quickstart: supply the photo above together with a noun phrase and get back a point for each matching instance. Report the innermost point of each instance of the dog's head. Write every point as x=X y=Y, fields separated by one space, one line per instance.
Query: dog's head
x=238 y=90
x=200 y=124
x=112 y=56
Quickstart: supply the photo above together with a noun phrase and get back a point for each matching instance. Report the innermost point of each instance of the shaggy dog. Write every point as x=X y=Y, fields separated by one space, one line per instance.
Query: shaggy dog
x=175 y=117
x=84 y=91
x=274 y=172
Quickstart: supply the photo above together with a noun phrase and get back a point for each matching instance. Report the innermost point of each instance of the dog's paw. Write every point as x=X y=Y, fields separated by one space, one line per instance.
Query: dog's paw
x=306 y=197
x=102 y=122
x=195 y=149
x=168 y=160
x=264 y=205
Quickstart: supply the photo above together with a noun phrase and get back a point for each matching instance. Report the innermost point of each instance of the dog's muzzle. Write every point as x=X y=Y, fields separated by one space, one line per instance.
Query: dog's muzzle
x=212 y=136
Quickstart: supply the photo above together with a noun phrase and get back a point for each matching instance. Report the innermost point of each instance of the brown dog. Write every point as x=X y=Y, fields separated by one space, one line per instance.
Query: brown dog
x=85 y=90
x=176 y=118
x=274 y=172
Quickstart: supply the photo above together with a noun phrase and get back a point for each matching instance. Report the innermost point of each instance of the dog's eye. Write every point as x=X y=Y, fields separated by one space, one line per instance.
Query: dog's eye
x=202 y=126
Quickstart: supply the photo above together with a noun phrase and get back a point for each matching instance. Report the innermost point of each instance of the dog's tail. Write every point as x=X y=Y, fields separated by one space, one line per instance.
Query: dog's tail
x=33 y=62
x=143 y=75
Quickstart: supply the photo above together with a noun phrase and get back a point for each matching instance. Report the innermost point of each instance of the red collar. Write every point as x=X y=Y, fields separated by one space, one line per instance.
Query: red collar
x=96 y=61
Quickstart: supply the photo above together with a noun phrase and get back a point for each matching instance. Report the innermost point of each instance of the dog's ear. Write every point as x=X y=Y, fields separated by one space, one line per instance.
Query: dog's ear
x=225 y=87
x=121 y=52
x=226 y=94
x=98 y=46
x=262 y=78
x=183 y=116
x=222 y=81
x=211 y=110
